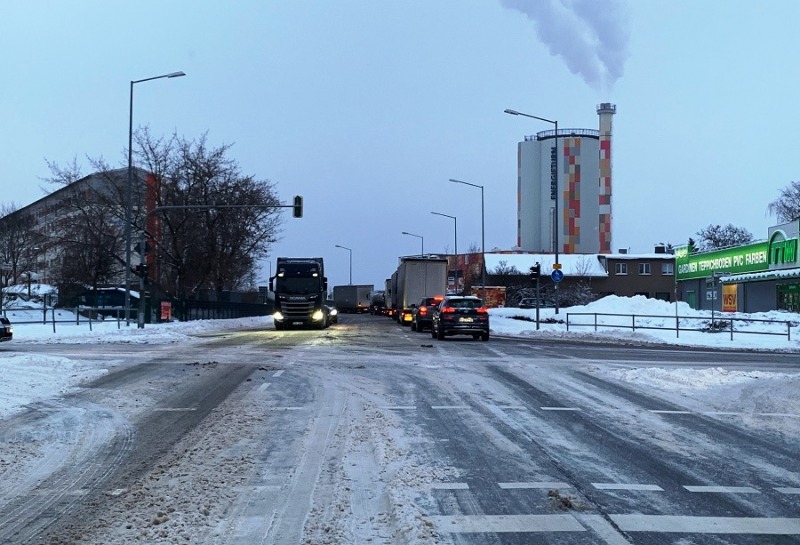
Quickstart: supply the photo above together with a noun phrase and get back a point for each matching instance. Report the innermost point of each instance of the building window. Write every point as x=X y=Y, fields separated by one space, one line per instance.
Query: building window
x=668 y=269
x=644 y=268
x=662 y=295
x=643 y=293
x=620 y=268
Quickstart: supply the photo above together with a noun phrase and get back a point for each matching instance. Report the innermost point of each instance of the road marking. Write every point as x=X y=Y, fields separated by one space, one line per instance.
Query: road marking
x=722 y=489
x=263 y=387
x=497 y=352
x=399 y=407
x=447 y=407
x=510 y=407
x=174 y=409
x=534 y=485
x=560 y=408
x=450 y=486
x=604 y=530
x=707 y=525
x=506 y=523
x=722 y=413
x=787 y=415
x=278 y=373
x=286 y=408
x=658 y=411
x=785 y=490
x=624 y=486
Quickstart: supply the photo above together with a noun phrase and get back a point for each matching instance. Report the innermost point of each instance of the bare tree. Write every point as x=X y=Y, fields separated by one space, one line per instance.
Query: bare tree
x=787 y=206
x=716 y=236
x=19 y=245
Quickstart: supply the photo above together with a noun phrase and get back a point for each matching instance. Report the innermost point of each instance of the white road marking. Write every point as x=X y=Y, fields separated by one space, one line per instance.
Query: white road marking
x=722 y=413
x=788 y=490
x=707 y=525
x=506 y=523
x=399 y=407
x=603 y=529
x=286 y=408
x=534 y=485
x=625 y=486
x=722 y=489
x=263 y=387
x=278 y=373
x=510 y=407
x=497 y=352
x=657 y=411
x=560 y=408
x=447 y=407
x=174 y=409
x=787 y=415
x=450 y=486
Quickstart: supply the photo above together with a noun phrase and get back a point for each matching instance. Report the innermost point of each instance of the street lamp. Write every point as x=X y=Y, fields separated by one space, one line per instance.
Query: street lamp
x=555 y=215
x=455 y=229
x=422 y=241
x=129 y=199
x=351 y=261
x=483 y=239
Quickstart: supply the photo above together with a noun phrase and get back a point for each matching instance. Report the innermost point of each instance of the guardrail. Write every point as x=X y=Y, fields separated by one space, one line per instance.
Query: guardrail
x=78 y=316
x=682 y=323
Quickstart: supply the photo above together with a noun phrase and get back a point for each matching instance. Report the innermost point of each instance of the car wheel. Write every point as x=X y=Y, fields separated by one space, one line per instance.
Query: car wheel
x=440 y=334
x=485 y=336
x=433 y=333
x=413 y=326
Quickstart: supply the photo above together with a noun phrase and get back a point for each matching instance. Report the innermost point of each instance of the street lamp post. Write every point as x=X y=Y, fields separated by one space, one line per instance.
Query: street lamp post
x=129 y=198
x=555 y=215
x=422 y=241
x=483 y=239
x=455 y=229
x=351 y=261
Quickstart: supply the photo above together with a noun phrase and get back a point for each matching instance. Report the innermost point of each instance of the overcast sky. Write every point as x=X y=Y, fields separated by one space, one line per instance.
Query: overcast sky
x=368 y=108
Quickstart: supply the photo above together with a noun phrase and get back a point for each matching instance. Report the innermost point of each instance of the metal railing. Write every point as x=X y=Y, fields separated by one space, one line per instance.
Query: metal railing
x=705 y=324
x=78 y=316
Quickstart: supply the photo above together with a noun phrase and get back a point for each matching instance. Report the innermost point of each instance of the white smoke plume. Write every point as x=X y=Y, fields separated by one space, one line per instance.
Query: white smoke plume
x=590 y=35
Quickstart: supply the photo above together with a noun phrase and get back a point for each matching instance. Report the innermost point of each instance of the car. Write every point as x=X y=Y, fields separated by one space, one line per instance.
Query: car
x=422 y=314
x=332 y=312
x=530 y=302
x=6 y=329
x=461 y=315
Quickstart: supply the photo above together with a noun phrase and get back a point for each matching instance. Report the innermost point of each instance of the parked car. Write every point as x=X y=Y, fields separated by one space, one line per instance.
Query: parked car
x=461 y=315
x=530 y=302
x=6 y=329
x=422 y=314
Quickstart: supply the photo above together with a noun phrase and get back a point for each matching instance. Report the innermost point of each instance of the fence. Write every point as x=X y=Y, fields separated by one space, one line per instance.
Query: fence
x=682 y=323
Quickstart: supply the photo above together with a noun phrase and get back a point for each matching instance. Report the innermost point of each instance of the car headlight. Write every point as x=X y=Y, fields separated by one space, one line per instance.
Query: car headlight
x=334 y=312
x=318 y=315
x=277 y=316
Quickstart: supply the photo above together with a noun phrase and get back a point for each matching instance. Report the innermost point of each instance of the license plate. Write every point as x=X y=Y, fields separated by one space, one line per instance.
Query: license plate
x=407 y=318
x=297 y=323
x=465 y=320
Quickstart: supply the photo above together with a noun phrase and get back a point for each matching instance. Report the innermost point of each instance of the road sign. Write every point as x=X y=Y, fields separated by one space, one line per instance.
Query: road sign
x=557 y=266
x=557 y=275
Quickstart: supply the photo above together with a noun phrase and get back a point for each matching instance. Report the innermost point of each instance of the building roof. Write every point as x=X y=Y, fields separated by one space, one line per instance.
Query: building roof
x=763 y=275
x=571 y=264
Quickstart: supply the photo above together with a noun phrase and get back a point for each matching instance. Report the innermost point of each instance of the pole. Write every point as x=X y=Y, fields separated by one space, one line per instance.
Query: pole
x=555 y=217
x=483 y=251
x=128 y=207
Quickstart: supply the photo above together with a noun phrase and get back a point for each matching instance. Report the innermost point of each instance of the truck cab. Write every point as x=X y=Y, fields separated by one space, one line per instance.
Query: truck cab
x=300 y=290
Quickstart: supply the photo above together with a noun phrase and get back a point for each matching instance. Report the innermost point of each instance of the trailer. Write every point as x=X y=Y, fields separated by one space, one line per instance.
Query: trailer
x=416 y=278
x=352 y=298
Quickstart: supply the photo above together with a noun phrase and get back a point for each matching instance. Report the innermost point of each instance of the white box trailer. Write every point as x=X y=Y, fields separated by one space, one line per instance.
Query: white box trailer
x=418 y=277
x=353 y=297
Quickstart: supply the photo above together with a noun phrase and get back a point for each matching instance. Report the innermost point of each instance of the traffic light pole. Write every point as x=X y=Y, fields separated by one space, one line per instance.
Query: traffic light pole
x=297 y=212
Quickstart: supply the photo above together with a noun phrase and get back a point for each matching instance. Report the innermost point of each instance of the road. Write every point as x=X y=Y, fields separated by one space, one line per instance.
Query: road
x=368 y=433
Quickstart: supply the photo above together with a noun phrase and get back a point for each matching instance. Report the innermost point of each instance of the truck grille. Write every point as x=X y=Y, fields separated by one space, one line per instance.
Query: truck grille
x=297 y=310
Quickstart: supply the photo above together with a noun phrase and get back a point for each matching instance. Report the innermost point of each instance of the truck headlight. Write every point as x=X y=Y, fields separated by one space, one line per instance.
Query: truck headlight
x=278 y=316
x=317 y=316
x=334 y=312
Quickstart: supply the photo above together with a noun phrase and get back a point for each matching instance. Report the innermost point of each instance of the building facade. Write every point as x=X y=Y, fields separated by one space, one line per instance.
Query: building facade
x=757 y=277
x=564 y=189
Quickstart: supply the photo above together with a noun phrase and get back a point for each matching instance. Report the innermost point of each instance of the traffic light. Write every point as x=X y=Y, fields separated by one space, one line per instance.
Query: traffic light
x=536 y=271
x=297 y=211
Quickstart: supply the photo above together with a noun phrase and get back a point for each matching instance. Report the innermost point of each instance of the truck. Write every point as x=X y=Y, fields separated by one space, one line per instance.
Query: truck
x=417 y=277
x=299 y=290
x=377 y=301
x=352 y=298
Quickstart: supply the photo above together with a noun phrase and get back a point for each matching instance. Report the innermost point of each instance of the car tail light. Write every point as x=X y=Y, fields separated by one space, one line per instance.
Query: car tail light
x=483 y=310
x=423 y=310
x=448 y=310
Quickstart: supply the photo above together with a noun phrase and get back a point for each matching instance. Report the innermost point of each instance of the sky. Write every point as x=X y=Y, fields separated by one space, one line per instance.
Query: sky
x=367 y=109
x=30 y=377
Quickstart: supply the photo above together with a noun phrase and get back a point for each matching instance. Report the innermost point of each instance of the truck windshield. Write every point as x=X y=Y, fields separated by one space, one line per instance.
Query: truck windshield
x=298 y=285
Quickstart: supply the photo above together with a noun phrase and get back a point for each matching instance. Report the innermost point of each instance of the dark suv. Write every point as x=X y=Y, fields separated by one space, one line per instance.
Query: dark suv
x=422 y=314
x=461 y=315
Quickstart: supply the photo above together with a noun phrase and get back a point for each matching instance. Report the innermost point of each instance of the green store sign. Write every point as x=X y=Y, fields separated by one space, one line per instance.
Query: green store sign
x=742 y=259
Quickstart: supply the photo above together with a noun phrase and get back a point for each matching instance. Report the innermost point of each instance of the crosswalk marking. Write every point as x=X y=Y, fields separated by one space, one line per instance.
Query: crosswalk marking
x=460 y=524
x=534 y=485
x=722 y=489
x=628 y=486
x=707 y=525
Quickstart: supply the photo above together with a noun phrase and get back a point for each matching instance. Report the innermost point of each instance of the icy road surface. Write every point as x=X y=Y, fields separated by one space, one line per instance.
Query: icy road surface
x=367 y=433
